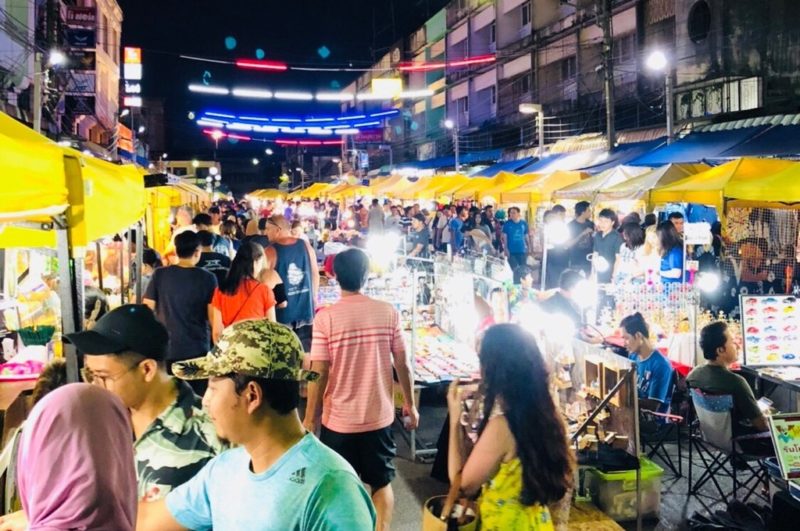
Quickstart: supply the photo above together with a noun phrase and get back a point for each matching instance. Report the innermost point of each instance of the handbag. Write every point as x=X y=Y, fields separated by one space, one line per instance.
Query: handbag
x=436 y=510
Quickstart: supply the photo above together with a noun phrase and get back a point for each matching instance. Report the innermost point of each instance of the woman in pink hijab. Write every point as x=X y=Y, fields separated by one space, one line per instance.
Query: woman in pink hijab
x=75 y=463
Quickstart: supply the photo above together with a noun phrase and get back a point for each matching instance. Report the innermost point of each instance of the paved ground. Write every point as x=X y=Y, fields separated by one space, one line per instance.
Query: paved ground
x=414 y=485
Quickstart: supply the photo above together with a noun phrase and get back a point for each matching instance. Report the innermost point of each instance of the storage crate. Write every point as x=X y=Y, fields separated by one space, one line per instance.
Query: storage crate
x=615 y=492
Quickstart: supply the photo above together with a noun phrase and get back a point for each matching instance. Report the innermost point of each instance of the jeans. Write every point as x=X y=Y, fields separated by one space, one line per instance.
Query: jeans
x=516 y=260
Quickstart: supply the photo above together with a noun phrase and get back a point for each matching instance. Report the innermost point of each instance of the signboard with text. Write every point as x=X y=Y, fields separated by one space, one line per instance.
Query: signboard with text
x=82 y=83
x=785 y=430
x=82 y=16
x=80 y=38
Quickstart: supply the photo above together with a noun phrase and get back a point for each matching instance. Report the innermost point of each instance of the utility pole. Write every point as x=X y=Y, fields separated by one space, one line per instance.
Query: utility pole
x=38 y=87
x=604 y=15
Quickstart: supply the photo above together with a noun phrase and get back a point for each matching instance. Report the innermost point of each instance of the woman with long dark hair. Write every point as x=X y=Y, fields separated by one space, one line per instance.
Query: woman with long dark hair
x=671 y=253
x=522 y=457
x=241 y=296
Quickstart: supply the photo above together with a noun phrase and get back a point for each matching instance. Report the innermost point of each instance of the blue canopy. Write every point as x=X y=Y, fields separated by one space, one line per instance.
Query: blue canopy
x=509 y=166
x=697 y=147
x=450 y=161
x=777 y=141
x=624 y=153
x=534 y=167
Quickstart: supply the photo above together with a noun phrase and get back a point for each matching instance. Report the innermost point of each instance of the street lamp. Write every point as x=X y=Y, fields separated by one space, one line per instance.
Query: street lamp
x=450 y=124
x=269 y=152
x=142 y=129
x=216 y=134
x=338 y=162
x=535 y=108
x=255 y=162
x=658 y=62
x=54 y=58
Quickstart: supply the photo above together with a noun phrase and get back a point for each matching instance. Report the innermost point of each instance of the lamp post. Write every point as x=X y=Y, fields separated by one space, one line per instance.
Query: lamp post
x=56 y=58
x=658 y=62
x=535 y=108
x=338 y=162
x=216 y=135
x=452 y=125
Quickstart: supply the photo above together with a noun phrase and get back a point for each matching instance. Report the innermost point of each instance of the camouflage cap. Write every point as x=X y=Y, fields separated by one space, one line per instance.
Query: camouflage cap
x=259 y=348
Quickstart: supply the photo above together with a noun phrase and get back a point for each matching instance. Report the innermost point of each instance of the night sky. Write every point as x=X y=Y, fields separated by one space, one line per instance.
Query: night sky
x=290 y=31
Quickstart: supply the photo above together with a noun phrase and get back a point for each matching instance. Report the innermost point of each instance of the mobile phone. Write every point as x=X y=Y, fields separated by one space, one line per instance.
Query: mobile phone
x=764 y=404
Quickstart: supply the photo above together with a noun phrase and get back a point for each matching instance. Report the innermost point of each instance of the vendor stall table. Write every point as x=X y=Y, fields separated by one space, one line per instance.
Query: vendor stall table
x=13 y=406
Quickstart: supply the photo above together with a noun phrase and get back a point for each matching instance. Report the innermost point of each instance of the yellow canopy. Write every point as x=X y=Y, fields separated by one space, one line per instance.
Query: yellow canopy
x=378 y=186
x=441 y=185
x=395 y=188
x=350 y=190
x=504 y=182
x=102 y=198
x=638 y=188
x=587 y=189
x=411 y=192
x=268 y=193
x=712 y=186
x=782 y=187
x=315 y=191
x=475 y=185
x=541 y=187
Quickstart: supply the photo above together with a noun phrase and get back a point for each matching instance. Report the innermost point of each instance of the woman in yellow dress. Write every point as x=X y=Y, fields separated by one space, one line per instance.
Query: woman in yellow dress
x=521 y=461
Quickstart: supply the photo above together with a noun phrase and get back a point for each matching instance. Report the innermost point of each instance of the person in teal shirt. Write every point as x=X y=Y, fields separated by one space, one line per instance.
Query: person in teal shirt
x=279 y=477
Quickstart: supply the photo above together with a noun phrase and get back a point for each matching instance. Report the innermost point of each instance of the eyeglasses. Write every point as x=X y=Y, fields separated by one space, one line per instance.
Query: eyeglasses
x=91 y=378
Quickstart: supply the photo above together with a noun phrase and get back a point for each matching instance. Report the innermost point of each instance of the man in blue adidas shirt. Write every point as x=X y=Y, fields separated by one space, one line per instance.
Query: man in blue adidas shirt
x=279 y=477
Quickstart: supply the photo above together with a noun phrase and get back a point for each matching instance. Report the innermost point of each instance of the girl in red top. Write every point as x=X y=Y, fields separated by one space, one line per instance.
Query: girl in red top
x=241 y=296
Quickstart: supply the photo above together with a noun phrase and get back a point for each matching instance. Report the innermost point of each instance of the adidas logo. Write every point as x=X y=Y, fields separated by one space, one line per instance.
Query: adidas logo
x=299 y=476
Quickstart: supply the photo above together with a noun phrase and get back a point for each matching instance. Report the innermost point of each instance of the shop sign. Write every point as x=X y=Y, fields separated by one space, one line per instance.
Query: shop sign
x=80 y=38
x=366 y=136
x=82 y=16
x=82 y=60
x=697 y=233
x=77 y=105
x=82 y=83
x=363 y=160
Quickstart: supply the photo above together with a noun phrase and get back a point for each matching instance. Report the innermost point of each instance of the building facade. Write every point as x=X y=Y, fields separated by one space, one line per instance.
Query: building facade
x=728 y=59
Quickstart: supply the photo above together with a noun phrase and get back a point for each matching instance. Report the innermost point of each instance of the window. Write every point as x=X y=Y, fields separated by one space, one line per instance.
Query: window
x=625 y=48
x=699 y=23
x=526 y=14
x=106 y=33
x=493 y=92
x=462 y=105
x=525 y=84
x=568 y=68
x=493 y=33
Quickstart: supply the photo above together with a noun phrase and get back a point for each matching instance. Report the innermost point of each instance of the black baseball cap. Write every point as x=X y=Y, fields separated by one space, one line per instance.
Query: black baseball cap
x=420 y=217
x=132 y=327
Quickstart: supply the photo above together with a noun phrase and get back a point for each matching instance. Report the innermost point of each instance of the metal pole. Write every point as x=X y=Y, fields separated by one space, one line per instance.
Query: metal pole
x=541 y=134
x=138 y=261
x=455 y=144
x=69 y=321
x=37 y=92
x=544 y=258
x=605 y=14
x=669 y=107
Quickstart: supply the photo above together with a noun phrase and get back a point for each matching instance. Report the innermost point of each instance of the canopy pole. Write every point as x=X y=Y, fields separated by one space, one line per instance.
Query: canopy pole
x=138 y=259
x=68 y=278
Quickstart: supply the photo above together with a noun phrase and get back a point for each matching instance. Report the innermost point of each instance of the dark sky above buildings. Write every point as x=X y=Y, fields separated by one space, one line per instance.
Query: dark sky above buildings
x=354 y=31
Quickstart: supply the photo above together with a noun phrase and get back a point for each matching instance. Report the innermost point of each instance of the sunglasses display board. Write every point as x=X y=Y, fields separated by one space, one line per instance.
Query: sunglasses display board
x=771 y=330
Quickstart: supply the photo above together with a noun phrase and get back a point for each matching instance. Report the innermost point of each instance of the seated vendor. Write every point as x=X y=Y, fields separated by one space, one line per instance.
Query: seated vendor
x=562 y=301
x=716 y=377
x=654 y=371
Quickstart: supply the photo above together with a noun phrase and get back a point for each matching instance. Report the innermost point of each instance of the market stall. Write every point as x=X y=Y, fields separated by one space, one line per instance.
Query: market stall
x=637 y=189
x=588 y=189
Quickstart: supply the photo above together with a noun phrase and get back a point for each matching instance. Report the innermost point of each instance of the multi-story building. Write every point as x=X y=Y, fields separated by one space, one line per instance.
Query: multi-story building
x=17 y=25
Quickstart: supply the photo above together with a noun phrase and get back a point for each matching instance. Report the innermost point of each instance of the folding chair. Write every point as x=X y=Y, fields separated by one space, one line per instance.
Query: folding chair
x=665 y=428
x=711 y=436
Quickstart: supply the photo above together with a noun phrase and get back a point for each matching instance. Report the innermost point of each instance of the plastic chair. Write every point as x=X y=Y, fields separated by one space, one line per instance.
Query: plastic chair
x=667 y=428
x=711 y=435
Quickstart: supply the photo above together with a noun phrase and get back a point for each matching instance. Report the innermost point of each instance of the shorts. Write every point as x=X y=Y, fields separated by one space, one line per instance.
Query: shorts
x=371 y=453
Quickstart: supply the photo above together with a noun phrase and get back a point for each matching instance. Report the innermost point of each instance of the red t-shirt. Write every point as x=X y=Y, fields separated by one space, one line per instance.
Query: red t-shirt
x=251 y=301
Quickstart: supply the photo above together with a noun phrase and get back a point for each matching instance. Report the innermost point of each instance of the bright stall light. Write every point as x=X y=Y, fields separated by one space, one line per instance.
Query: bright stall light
x=334 y=96
x=213 y=170
x=255 y=162
x=586 y=294
x=206 y=89
x=268 y=151
x=708 y=282
x=293 y=95
x=252 y=93
x=657 y=61
x=449 y=124
x=57 y=58
x=556 y=233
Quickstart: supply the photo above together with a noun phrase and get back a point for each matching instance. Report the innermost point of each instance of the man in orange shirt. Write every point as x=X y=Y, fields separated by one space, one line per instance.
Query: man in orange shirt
x=356 y=343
